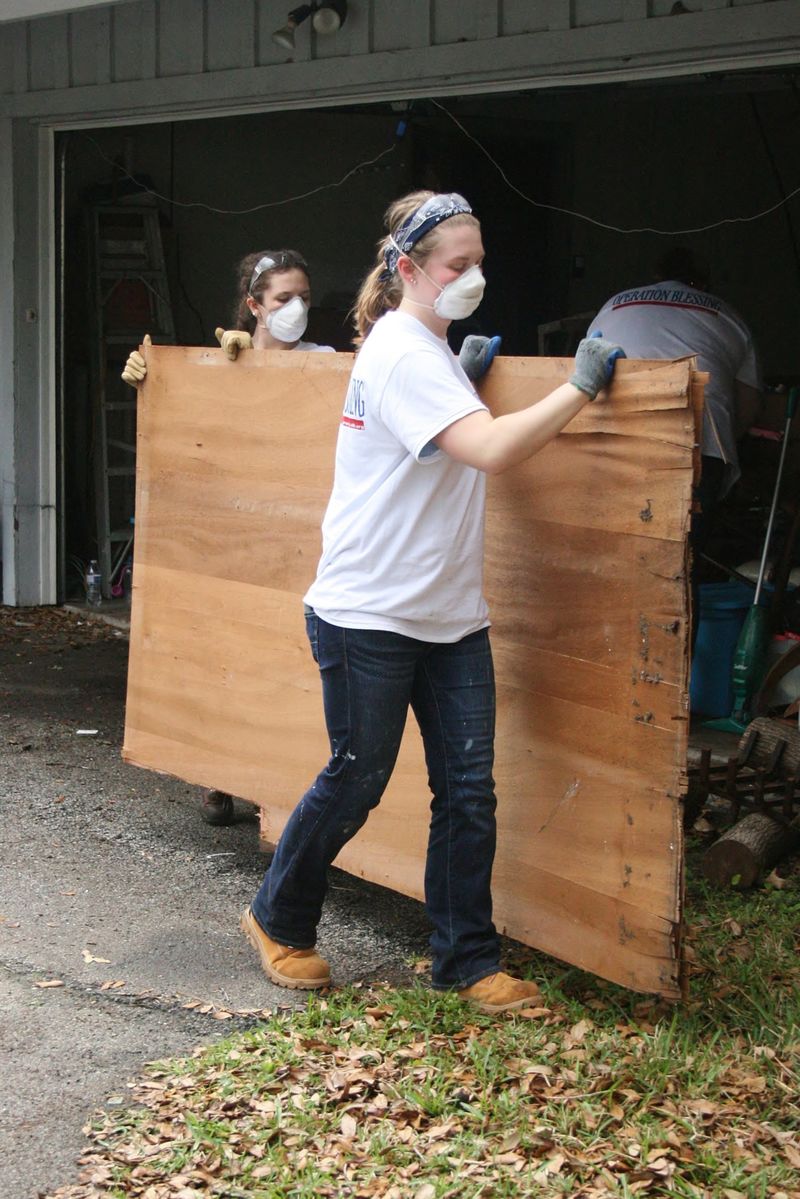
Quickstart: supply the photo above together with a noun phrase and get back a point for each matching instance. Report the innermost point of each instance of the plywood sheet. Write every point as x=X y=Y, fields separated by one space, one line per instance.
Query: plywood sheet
x=586 y=580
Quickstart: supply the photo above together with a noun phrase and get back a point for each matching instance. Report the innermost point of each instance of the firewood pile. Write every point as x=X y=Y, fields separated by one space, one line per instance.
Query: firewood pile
x=761 y=783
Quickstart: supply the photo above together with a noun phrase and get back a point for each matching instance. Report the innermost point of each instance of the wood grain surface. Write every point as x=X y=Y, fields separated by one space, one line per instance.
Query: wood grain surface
x=586 y=581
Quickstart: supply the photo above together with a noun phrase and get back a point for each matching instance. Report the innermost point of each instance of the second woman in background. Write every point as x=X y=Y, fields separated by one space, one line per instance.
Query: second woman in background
x=273 y=300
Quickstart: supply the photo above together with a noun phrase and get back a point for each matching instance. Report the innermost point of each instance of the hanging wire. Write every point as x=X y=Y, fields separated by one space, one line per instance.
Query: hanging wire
x=580 y=216
x=570 y=212
x=239 y=211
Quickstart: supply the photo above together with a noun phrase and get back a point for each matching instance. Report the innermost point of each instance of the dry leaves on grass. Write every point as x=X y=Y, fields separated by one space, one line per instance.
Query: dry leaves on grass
x=367 y=1098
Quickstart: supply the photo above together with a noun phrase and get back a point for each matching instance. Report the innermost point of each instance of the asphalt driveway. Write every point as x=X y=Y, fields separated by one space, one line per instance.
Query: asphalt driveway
x=119 y=906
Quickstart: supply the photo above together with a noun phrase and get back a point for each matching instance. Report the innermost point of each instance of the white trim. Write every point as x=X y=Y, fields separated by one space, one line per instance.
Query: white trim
x=8 y=538
x=221 y=108
x=48 y=507
x=27 y=369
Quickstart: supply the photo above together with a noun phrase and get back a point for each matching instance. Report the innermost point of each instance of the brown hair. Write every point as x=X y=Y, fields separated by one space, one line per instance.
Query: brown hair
x=285 y=260
x=683 y=264
x=376 y=295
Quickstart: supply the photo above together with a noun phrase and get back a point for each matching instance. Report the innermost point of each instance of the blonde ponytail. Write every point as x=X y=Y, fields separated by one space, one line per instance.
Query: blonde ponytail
x=377 y=295
x=382 y=291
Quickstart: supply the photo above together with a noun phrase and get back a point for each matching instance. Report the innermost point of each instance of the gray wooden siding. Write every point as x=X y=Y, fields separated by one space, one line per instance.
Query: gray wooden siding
x=172 y=40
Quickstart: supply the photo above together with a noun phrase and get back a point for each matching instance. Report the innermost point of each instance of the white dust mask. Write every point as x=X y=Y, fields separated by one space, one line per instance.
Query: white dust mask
x=459 y=298
x=288 y=323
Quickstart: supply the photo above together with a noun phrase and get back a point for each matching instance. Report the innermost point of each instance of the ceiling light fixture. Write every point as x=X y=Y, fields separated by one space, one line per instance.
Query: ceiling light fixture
x=327 y=16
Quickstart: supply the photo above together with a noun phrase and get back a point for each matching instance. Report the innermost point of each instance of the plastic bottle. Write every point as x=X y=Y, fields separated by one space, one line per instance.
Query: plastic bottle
x=94 y=584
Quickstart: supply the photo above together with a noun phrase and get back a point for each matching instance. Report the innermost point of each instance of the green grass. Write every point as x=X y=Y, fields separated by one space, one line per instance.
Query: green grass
x=407 y=1093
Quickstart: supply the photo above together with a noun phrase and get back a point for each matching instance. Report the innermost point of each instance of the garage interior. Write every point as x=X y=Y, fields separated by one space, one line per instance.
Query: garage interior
x=570 y=184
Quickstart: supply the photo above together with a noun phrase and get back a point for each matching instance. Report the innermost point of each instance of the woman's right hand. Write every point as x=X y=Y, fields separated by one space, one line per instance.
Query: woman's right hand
x=233 y=340
x=135 y=368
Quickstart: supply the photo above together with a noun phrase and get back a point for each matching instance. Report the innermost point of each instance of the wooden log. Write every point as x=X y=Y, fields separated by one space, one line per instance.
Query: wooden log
x=755 y=844
x=768 y=733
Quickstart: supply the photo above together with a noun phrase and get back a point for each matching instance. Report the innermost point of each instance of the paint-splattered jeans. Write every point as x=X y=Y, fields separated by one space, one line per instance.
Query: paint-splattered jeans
x=369 y=679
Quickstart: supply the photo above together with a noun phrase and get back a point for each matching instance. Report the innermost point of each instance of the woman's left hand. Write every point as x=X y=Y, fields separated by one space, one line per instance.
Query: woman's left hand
x=233 y=340
x=595 y=360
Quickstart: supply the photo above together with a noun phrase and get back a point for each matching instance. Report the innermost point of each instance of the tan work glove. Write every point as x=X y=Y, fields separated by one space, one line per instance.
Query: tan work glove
x=136 y=367
x=233 y=340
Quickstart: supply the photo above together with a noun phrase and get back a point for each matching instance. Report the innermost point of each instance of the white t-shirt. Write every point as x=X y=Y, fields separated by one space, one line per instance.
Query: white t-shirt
x=402 y=538
x=670 y=320
x=312 y=345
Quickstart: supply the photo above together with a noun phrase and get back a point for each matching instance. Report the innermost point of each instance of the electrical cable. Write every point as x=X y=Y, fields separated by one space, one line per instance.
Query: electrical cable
x=778 y=178
x=240 y=211
x=580 y=216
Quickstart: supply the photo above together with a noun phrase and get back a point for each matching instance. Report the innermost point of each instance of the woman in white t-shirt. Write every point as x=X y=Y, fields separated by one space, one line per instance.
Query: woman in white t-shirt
x=396 y=616
x=273 y=298
x=272 y=302
x=273 y=295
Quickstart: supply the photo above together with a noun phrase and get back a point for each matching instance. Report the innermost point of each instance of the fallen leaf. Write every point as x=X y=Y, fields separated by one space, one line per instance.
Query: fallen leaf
x=553 y=1166
x=89 y=957
x=703 y=1107
x=579 y=1030
x=50 y=982
x=774 y=880
x=348 y=1126
x=792 y=1155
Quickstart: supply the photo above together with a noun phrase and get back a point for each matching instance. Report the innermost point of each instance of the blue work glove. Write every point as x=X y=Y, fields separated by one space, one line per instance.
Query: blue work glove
x=594 y=364
x=476 y=355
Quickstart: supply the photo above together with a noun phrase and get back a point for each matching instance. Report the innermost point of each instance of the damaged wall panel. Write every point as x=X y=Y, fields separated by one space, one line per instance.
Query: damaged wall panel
x=585 y=577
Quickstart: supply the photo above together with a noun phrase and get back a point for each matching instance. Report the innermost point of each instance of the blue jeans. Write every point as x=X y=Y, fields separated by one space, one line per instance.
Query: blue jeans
x=369 y=679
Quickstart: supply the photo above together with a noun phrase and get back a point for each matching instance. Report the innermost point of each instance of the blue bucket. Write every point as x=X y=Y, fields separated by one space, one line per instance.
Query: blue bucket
x=723 y=608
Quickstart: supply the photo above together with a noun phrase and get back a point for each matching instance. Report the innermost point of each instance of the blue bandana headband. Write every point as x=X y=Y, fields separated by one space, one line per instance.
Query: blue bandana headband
x=430 y=214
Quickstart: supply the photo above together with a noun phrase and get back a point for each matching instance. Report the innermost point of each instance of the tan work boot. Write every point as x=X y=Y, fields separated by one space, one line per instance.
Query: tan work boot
x=301 y=969
x=500 y=993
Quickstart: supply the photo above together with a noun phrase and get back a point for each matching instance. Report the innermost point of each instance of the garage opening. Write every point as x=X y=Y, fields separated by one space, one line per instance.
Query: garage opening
x=579 y=193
